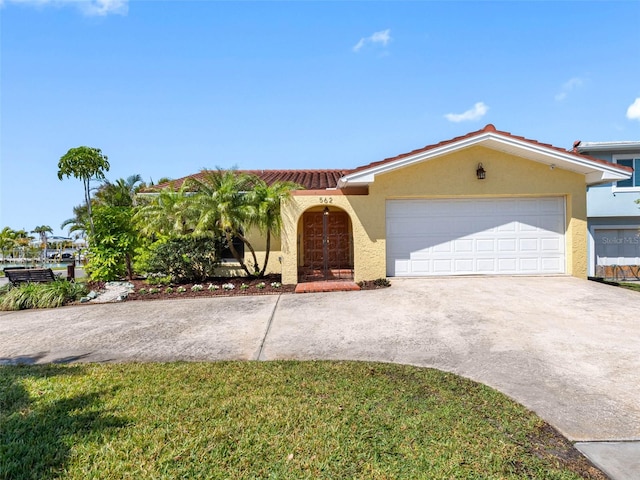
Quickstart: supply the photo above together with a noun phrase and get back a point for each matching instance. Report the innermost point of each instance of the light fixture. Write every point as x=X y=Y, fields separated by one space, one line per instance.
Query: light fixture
x=480 y=173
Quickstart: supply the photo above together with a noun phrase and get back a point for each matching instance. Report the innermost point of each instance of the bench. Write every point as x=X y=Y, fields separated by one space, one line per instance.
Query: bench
x=29 y=275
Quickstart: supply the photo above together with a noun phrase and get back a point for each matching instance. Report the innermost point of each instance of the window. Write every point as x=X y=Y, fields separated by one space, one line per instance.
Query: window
x=632 y=161
x=225 y=252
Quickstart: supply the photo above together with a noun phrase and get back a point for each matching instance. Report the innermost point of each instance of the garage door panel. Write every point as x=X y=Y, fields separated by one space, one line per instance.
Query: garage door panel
x=507 y=265
x=486 y=265
x=485 y=245
x=551 y=244
x=528 y=245
x=464 y=236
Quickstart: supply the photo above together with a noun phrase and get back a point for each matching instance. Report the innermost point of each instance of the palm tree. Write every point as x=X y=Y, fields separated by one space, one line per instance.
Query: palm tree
x=23 y=239
x=7 y=241
x=42 y=231
x=122 y=193
x=79 y=222
x=221 y=199
x=169 y=214
x=266 y=200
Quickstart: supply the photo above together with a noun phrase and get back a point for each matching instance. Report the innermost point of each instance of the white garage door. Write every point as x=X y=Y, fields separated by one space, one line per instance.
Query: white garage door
x=475 y=236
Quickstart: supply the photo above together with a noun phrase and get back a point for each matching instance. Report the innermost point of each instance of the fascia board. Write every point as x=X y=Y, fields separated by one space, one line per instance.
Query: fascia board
x=528 y=150
x=609 y=147
x=597 y=177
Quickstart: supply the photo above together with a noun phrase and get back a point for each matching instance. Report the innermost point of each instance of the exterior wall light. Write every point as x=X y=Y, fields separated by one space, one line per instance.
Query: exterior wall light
x=480 y=173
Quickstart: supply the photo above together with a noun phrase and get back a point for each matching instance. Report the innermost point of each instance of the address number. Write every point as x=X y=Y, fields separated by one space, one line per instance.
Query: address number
x=326 y=200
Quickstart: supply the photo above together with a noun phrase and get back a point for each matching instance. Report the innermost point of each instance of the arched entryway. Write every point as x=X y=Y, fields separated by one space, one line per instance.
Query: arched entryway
x=325 y=245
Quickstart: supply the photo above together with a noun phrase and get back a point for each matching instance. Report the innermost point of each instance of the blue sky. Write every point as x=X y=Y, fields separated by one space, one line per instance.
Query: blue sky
x=168 y=88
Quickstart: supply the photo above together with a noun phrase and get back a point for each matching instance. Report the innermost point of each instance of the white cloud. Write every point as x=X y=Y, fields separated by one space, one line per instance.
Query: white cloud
x=382 y=38
x=88 y=7
x=478 y=111
x=633 y=112
x=567 y=87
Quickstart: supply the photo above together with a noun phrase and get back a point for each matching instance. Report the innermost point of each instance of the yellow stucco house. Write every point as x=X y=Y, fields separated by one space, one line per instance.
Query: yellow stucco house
x=486 y=203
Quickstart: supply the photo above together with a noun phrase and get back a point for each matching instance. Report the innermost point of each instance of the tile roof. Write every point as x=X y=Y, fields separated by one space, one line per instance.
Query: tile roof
x=323 y=179
x=309 y=179
x=489 y=128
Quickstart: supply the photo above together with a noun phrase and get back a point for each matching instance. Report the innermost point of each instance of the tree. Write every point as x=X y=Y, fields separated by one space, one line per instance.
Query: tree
x=169 y=214
x=266 y=201
x=42 y=231
x=7 y=241
x=221 y=199
x=122 y=193
x=79 y=222
x=113 y=243
x=85 y=163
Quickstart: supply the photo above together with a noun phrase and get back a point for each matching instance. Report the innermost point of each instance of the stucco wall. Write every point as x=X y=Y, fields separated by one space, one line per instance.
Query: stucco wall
x=449 y=176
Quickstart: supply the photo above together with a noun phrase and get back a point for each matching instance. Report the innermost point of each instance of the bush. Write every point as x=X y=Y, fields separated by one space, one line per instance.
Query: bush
x=41 y=295
x=112 y=244
x=185 y=259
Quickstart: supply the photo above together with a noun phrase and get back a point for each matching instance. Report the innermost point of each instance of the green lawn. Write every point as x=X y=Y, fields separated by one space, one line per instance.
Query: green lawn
x=280 y=420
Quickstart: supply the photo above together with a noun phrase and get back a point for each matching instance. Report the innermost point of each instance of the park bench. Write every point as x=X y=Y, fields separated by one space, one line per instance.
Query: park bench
x=29 y=275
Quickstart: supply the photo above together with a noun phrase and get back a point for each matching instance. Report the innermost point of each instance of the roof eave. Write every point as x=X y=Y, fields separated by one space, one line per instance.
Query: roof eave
x=594 y=172
x=608 y=147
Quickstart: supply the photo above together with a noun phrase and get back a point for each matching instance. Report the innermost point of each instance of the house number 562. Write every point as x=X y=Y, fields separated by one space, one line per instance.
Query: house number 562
x=326 y=200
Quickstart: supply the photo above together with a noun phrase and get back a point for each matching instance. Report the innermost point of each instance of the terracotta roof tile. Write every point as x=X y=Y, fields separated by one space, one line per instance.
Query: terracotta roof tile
x=323 y=179
x=309 y=179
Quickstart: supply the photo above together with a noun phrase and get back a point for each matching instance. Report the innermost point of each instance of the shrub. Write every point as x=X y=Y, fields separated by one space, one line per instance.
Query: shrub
x=197 y=288
x=168 y=290
x=41 y=295
x=185 y=259
x=382 y=282
x=112 y=243
x=158 y=279
x=142 y=291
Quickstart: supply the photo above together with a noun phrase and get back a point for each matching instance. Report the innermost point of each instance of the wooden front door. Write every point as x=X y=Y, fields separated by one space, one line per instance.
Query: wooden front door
x=326 y=241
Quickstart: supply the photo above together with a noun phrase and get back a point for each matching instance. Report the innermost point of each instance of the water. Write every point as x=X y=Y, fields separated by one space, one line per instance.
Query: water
x=32 y=264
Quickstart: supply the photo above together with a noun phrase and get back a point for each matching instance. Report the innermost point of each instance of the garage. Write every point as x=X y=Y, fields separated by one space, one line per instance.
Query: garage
x=467 y=236
x=617 y=252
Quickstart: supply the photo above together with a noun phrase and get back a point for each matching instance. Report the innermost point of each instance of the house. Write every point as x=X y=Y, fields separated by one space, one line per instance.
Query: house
x=613 y=216
x=486 y=203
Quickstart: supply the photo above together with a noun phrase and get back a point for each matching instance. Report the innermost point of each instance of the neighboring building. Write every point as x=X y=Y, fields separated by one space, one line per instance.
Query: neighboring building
x=613 y=214
x=487 y=203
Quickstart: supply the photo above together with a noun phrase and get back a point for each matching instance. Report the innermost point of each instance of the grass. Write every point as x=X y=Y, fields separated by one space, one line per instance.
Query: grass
x=635 y=286
x=40 y=295
x=279 y=420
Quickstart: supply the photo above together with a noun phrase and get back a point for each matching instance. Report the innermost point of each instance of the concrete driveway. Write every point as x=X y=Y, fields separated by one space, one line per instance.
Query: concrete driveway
x=566 y=348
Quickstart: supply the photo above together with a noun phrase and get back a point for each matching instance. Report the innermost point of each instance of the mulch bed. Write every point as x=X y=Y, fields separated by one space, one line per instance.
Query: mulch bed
x=269 y=285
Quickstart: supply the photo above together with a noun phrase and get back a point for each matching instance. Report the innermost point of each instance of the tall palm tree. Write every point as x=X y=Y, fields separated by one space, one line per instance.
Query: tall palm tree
x=42 y=231
x=221 y=199
x=266 y=201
